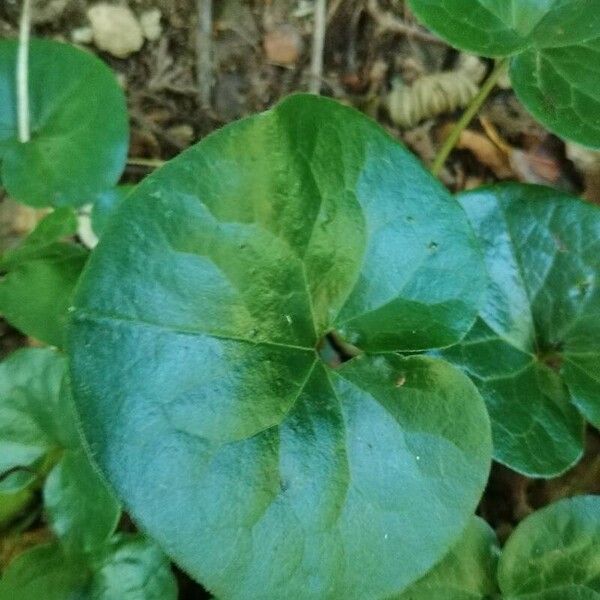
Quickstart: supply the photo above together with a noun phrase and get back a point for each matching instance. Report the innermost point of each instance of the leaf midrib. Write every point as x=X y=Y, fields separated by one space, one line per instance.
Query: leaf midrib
x=89 y=316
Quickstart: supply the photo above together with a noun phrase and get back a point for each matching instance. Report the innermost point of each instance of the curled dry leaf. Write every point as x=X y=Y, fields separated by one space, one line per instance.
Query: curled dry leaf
x=588 y=164
x=435 y=94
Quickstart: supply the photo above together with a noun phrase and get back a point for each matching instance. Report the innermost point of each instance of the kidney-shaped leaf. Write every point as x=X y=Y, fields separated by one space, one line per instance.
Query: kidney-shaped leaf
x=553 y=554
x=535 y=350
x=554 y=45
x=467 y=572
x=79 y=130
x=197 y=378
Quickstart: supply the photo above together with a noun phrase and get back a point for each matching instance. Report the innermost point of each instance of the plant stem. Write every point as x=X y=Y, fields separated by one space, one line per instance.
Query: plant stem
x=468 y=115
x=318 y=44
x=23 y=73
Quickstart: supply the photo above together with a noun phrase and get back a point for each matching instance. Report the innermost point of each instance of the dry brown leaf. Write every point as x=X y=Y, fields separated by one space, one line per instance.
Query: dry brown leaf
x=486 y=152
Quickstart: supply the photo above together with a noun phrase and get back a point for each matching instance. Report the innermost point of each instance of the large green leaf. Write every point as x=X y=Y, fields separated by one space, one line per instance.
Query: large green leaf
x=534 y=352
x=263 y=472
x=79 y=126
x=38 y=278
x=127 y=568
x=38 y=435
x=554 y=554
x=554 y=45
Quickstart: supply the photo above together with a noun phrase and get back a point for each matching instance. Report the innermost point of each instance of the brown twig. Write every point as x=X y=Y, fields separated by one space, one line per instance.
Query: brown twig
x=388 y=22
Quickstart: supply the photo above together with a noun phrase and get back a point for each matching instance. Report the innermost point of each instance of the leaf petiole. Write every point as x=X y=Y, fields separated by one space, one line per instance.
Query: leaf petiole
x=22 y=73
x=468 y=115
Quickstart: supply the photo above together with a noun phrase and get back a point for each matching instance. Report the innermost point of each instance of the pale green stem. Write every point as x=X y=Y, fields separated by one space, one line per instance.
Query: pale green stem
x=467 y=116
x=22 y=74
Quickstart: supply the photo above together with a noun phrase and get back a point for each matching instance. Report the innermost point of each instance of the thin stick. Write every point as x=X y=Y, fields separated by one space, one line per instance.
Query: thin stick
x=333 y=8
x=204 y=52
x=22 y=74
x=316 y=63
x=467 y=116
x=388 y=22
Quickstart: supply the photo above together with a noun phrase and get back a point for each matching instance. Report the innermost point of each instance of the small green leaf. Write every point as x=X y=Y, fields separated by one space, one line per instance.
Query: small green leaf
x=561 y=87
x=127 y=568
x=553 y=554
x=194 y=341
x=39 y=278
x=535 y=350
x=105 y=206
x=38 y=434
x=486 y=27
x=81 y=508
x=79 y=131
x=16 y=494
x=44 y=572
x=61 y=223
x=467 y=572
x=554 y=45
x=132 y=567
x=32 y=409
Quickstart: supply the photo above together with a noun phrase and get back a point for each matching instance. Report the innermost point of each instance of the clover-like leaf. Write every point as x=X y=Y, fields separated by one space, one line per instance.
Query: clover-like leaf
x=39 y=437
x=79 y=130
x=262 y=471
x=467 y=572
x=39 y=276
x=554 y=45
x=553 y=554
x=534 y=352
x=128 y=567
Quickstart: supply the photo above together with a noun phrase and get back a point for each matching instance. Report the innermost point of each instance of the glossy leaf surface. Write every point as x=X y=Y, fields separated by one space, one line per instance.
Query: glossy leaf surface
x=128 y=567
x=554 y=45
x=553 y=554
x=79 y=130
x=467 y=572
x=39 y=277
x=207 y=296
x=534 y=352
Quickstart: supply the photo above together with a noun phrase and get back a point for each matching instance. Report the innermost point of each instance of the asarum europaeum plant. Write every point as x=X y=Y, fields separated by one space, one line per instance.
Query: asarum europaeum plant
x=79 y=126
x=293 y=356
x=551 y=555
x=196 y=371
x=552 y=47
x=41 y=450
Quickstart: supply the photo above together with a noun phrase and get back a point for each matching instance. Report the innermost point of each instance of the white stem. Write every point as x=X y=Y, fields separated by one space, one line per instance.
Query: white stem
x=316 y=65
x=23 y=73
